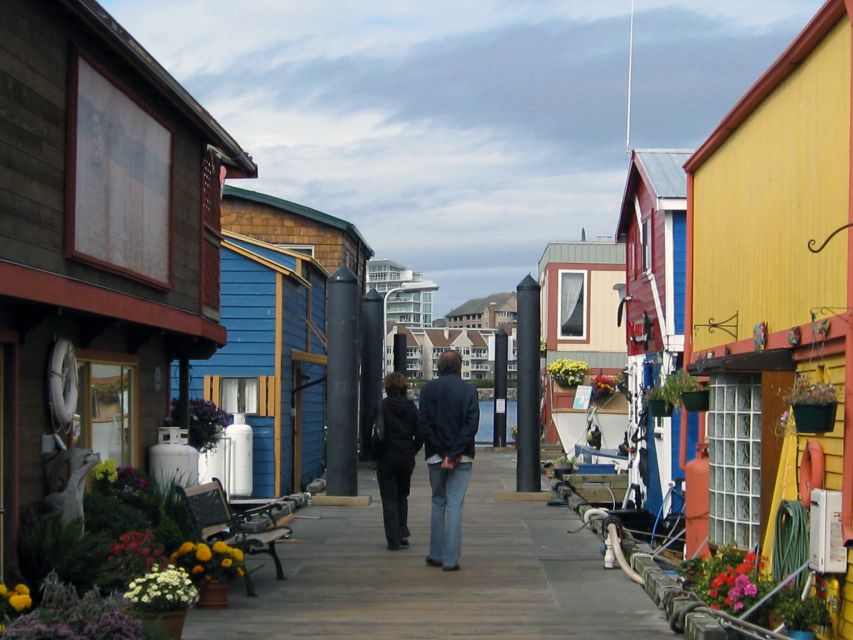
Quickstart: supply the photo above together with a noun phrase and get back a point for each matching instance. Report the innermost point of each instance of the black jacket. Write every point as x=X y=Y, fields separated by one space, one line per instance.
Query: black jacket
x=403 y=438
x=449 y=415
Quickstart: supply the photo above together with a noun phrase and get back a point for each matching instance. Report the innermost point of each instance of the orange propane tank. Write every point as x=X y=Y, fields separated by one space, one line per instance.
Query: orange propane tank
x=697 y=500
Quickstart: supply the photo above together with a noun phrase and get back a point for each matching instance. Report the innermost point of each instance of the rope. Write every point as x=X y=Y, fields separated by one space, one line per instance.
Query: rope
x=791 y=541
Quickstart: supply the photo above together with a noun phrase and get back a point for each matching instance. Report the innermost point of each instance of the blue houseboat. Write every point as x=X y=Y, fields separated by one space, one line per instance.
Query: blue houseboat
x=273 y=368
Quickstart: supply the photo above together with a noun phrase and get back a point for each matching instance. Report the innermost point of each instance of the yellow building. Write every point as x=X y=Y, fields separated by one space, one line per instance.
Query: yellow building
x=766 y=298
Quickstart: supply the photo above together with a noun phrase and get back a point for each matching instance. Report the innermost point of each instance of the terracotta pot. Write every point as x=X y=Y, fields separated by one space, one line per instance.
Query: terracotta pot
x=171 y=621
x=213 y=594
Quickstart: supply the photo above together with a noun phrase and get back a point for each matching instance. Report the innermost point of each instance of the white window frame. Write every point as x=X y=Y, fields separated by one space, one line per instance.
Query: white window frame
x=559 y=311
x=647 y=240
x=225 y=403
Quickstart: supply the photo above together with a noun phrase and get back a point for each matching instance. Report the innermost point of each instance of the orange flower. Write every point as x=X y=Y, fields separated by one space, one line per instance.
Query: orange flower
x=197 y=569
x=203 y=553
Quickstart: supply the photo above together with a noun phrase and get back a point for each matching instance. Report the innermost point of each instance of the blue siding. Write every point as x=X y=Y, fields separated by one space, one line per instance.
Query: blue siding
x=679 y=266
x=263 y=452
x=269 y=253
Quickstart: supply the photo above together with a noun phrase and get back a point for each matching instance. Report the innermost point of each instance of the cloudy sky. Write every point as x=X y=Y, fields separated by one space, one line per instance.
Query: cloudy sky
x=460 y=137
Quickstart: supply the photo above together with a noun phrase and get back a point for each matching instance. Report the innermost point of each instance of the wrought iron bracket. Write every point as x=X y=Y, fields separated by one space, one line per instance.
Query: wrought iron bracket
x=726 y=325
x=813 y=242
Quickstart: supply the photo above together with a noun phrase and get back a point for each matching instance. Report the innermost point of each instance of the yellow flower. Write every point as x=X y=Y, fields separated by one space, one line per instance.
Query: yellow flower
x=220 y=547
x=197 y=569
x=241 y=571
x=237 y=554
x=22 y=589
x=3 y=590
x=20 y=601
x=226 y=563
x=185 y=548
x=203 y=553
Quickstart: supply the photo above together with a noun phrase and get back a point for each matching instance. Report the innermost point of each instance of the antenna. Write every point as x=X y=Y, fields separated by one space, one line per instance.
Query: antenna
x=630 y=74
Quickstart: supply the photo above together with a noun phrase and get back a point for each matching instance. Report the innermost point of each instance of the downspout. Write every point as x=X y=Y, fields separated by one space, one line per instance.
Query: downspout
x=847 y=471
x=688 y=318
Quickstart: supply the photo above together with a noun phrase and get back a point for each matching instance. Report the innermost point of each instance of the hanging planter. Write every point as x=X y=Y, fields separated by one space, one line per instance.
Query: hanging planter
x=696 y=400
x=815 y=418
x=660 y=408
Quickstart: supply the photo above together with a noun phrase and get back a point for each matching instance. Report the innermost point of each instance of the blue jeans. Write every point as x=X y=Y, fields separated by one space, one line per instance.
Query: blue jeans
x=448 y=495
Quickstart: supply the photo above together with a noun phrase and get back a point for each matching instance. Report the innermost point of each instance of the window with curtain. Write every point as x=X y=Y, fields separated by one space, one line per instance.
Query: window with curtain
x=573 y=297
x=647 y=245
x=122 y=180
x=239 y=395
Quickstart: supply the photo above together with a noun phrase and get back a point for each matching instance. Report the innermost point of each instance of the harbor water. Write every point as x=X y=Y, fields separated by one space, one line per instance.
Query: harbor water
x=485 y=434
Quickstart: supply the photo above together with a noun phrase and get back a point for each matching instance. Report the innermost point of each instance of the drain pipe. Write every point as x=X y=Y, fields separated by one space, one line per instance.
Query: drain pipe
x=613 y=542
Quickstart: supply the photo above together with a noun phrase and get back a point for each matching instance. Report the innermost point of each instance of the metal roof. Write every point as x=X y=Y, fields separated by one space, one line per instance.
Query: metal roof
x=665 y=170
x=584 y=253
x=297 y=209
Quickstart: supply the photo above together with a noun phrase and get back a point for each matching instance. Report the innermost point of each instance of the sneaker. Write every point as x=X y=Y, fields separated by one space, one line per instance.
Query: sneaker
x=434 y=563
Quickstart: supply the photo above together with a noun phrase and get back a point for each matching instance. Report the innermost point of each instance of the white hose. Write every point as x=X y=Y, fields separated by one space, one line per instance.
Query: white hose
x=598 y=513
x=620 y=557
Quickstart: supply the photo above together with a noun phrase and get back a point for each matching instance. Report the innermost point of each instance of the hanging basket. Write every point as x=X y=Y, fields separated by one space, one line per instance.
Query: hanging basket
x=815 y=418
x=696 y=400
x=660 y=408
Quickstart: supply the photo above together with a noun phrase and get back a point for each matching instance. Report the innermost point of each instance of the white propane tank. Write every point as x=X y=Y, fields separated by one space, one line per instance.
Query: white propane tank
x=213 y=463
x=173 y=459
x=240 y=472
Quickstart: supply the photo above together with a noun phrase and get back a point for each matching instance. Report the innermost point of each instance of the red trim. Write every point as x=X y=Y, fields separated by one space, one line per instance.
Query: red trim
x=847 y=458
x=49 y=288
x=834 y=345
x=825 y=19
x=71 y=252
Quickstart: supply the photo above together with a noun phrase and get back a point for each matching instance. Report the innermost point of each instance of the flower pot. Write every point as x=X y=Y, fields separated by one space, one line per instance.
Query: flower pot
x=213 y=594
x=802 y=635
x=815 y=418
x=171 y=621
x=660 y=408
x=696 y=400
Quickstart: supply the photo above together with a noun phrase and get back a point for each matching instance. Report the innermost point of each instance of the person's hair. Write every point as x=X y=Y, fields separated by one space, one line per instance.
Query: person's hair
x=449 y=362
x=395 y=384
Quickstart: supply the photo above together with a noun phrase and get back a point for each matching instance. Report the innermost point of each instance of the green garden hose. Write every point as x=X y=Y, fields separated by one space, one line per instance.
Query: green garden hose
x=791 y=542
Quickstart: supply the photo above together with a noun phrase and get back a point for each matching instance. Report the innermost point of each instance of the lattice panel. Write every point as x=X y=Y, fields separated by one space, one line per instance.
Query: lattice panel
x=210 y=274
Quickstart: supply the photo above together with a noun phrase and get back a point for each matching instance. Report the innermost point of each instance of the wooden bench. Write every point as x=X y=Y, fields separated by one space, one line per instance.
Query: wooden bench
x=253 y=530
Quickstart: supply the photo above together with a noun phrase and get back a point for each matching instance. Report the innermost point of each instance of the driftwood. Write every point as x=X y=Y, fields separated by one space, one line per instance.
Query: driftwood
x=66 y=482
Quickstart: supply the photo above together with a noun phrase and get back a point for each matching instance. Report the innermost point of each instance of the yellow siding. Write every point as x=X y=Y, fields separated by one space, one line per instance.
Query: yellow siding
x=778 y=181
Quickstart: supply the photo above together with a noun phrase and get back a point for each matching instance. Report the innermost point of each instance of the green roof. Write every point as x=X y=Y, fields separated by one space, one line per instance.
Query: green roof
x=299 y=210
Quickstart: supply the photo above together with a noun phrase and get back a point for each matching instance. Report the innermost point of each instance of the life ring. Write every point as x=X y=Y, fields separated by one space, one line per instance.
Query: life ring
x=62 y=381
x=812 y=471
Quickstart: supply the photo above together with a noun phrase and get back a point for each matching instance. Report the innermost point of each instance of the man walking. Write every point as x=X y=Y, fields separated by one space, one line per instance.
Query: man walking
x=448 y=415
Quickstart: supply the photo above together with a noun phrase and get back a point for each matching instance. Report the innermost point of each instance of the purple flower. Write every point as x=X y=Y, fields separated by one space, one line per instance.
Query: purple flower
x=737 y=606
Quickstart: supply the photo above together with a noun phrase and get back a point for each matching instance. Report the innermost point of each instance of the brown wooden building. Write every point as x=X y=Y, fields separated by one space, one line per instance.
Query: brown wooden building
x=331 y=241
x=110 y=178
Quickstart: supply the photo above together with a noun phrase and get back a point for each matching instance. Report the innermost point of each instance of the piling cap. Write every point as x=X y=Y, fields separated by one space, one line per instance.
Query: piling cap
x=373 y=296
x=528 y=284
x=342 y=275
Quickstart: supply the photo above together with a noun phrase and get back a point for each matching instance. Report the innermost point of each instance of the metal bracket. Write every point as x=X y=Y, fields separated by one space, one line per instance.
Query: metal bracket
x=812 y=242
x=723 y=325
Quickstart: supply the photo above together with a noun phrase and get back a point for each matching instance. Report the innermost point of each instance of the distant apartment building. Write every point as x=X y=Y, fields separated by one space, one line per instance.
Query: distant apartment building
x=491 y=312
x=414 y=309
x=476 y=346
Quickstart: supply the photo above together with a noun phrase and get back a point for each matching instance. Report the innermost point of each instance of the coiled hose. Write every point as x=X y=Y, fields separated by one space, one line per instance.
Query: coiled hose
x=791 y=542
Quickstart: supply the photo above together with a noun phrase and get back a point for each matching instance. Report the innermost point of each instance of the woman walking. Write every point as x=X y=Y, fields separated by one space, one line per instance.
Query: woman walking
x=396 y=459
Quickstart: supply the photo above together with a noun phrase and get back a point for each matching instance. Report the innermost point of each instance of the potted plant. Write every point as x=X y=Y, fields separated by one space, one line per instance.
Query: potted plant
x=801 y=616
x=564 y=465
x=212 y=568
x=162 y=596
x=694 y=395
x=814 y=405
x=603 y=387
x=659 y=401
x=206 y=423
x=567 y=372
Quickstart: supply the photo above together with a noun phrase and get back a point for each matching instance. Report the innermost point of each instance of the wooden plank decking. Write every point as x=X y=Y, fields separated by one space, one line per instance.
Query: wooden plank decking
x=522 y=576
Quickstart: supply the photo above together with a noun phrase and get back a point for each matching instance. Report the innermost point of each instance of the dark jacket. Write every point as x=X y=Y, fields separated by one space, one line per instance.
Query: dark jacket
x=449 y=415
x=403 y=437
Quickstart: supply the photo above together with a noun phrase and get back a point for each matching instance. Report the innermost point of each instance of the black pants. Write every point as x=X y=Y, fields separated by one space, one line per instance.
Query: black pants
x=395 y=480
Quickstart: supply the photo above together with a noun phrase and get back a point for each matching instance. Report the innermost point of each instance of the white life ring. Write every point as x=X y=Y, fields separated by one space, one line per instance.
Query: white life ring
x=62 y=381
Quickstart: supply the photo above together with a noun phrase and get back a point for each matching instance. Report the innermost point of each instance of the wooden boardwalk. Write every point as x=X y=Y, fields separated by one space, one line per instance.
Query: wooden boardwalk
x=522 y=576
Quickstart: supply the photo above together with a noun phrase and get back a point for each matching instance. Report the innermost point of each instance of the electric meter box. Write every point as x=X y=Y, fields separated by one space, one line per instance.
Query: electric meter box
x=827 y=553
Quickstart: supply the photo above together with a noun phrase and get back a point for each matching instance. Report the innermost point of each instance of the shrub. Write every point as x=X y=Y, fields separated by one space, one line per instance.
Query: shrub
x=799 y=614
x=131 y=555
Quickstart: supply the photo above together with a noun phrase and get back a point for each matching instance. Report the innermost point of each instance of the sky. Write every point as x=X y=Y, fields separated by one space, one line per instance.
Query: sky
x=461 y=137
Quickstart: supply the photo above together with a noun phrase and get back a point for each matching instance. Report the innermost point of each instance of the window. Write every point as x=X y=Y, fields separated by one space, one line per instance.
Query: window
x=308 y=250
x=121 y=181
x=734 y=442
x=239 y=395
x=107 y=411
x=573 y=296
x=647 y=244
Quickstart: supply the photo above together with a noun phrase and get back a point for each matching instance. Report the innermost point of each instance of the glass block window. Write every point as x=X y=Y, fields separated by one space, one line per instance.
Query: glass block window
x=734 y=442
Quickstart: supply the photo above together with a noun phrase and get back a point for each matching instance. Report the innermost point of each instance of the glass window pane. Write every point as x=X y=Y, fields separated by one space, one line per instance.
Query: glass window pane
x=572 y=304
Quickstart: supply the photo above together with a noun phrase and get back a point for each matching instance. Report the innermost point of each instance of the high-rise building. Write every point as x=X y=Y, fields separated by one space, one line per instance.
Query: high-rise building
x=410 y=308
